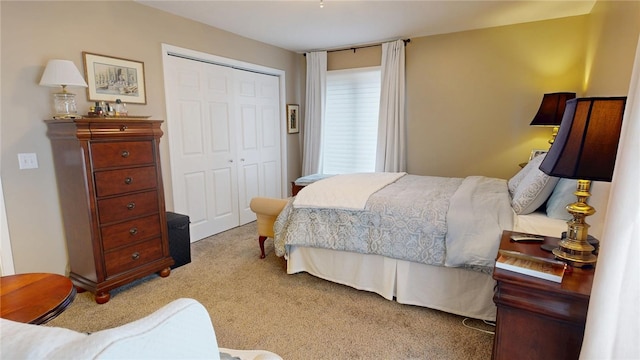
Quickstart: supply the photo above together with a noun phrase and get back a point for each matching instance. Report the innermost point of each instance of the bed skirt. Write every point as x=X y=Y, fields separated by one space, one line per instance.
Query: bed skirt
x=453 y=290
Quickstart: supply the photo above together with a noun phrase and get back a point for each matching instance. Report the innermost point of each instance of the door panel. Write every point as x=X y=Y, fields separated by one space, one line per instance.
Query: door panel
x=258 y=103
x=195 y=187
x=200 y=103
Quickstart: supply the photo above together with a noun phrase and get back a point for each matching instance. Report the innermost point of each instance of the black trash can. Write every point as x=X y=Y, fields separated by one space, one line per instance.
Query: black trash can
x=179 y=240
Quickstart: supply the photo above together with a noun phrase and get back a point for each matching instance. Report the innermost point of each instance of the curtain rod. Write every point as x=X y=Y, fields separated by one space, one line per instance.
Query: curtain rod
x=354 y=48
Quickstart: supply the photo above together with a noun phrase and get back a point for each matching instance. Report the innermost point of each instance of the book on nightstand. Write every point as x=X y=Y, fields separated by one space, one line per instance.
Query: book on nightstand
x=542 y=268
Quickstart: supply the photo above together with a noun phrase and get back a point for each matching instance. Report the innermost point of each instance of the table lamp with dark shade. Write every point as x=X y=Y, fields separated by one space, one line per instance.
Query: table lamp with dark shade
x=551 y=110
x=585 y=149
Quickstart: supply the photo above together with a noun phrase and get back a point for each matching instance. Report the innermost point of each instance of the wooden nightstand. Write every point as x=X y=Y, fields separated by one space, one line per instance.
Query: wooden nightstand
x=539 y=319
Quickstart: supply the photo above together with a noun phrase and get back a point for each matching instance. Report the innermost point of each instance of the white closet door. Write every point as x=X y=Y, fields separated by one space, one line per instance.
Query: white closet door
x=200 y=103
x=258 y=139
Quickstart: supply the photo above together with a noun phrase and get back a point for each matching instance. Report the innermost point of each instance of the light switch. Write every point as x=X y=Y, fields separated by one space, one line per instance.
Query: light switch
x=28 y=161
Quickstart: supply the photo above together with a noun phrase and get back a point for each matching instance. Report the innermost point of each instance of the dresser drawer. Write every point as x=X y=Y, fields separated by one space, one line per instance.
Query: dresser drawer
x=112 y=182
x=111 y=129
x=121 y=234
x=121 y=153
x=127 y=206
x=130 y=257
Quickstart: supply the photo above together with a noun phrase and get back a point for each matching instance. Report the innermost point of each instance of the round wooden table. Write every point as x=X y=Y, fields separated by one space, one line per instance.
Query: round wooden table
x=34 y=298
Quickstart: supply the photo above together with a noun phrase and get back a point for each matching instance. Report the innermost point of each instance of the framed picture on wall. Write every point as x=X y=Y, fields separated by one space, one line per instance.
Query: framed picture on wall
x=536 y=152
x=293 y=121
x=110 y=78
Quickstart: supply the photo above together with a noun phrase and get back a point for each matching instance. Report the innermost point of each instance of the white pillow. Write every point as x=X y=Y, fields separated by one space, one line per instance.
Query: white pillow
x=534 y=189
x=562 y=195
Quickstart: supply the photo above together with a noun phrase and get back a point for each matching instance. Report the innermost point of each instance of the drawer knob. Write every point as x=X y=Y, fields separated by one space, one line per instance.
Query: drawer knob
x=131 y=205
x=135 y=256
x=133 y=231
x=123 y=127
x=128 y=180
x=125 y=154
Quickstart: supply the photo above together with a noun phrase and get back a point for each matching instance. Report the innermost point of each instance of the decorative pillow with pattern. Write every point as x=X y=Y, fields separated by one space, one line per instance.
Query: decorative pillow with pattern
x=513 y=183
x=533 y=189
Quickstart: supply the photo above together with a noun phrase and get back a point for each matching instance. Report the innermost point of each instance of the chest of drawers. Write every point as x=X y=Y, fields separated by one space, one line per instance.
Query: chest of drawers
x=112 y=201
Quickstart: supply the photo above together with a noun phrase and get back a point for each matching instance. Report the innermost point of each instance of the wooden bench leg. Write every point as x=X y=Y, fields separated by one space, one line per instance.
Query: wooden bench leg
x=261 y=240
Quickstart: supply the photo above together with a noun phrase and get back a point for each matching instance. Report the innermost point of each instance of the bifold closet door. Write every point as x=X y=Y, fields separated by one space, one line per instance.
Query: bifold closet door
x=224 y=137
x=258 y=139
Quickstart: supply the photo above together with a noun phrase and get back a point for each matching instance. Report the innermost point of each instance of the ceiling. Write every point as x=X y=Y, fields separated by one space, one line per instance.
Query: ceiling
x=303 y=25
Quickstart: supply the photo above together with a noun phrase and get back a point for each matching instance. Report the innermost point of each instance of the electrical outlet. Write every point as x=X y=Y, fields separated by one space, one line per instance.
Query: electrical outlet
x=27 y=161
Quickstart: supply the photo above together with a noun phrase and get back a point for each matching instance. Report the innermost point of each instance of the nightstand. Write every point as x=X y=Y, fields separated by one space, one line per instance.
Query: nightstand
x=539 y=319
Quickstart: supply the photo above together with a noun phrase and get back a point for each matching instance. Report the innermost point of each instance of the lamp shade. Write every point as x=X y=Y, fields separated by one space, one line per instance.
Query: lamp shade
x=551 y=109
x=587 y=142
x=62 y=73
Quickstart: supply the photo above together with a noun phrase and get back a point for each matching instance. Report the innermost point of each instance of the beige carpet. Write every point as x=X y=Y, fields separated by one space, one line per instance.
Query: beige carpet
x=254 y=304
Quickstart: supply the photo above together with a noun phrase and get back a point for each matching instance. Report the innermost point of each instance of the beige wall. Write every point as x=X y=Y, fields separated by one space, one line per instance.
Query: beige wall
x=613 y=27
x=34 y=32
x=470 y=95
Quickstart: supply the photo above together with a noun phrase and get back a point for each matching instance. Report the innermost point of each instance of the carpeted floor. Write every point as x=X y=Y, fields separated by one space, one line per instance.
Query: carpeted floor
x=254 y=304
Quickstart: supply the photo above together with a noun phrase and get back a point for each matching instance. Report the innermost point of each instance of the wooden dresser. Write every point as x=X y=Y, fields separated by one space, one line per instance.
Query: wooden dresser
x=539 y=319
x=112 y=201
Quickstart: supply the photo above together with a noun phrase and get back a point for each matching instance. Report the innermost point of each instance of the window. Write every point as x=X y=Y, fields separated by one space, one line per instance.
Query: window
x=350 y=132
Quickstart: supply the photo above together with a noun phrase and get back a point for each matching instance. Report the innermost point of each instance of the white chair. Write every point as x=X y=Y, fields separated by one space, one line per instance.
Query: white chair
x=180 y=330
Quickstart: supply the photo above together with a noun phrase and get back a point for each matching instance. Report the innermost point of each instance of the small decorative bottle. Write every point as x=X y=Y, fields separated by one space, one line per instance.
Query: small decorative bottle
x=121 y=108
x=110 y=111
x=98 y=109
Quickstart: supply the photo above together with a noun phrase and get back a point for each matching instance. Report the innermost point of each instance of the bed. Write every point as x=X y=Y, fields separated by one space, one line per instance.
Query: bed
x=421 y=240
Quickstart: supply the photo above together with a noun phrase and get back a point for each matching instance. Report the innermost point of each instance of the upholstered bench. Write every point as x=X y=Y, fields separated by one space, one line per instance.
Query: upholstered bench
x=267 y=210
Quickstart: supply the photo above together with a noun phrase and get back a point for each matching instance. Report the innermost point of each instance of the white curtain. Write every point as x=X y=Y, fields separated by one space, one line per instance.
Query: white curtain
x=314 y=112
x=613 y=319
x=391 y=150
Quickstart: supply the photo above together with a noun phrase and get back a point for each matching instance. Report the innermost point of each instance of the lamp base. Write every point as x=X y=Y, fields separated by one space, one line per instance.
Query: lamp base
x=64 y=104
x=573 y=257
x=575 y=248
x=554 y=133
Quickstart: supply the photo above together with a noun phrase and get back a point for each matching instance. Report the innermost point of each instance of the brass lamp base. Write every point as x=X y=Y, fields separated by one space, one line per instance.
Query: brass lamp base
x=575 y=258
x=575 y=249
x=554 y=133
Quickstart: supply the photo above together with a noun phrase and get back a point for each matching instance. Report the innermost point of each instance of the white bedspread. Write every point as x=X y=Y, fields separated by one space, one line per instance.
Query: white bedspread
x=478 y=212
x=348 y=191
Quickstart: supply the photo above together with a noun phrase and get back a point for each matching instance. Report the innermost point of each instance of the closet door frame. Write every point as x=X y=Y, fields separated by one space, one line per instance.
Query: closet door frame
x=170 y=50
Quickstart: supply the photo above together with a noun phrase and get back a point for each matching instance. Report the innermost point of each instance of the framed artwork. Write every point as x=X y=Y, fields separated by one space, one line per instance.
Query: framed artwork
x=293 y=121
x=110 y=78
x=536 y=152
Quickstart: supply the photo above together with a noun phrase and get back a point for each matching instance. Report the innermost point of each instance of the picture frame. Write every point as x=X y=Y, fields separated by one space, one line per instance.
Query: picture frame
x=293 y=118
x=536 y=152
x=110 y=78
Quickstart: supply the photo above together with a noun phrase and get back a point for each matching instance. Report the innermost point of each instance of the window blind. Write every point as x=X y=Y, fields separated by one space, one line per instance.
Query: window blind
x=350 y=130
